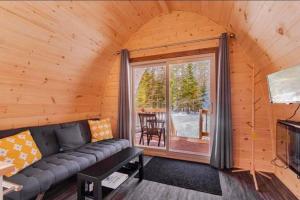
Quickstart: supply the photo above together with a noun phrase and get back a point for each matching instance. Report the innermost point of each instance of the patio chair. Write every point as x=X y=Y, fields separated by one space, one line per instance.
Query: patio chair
x=150 y=127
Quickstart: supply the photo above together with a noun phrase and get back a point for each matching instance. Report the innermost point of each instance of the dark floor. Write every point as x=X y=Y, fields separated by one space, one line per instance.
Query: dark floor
x=235 y=186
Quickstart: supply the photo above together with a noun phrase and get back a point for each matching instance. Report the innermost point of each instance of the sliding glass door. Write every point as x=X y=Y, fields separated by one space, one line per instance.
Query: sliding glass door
x=190 y=106
x=172 y=104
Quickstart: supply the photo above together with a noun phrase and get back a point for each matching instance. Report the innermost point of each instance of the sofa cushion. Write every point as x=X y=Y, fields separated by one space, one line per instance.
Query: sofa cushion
x=31 y=187
x=84 y=128
x=56 y=166
x=34 y=181
x=69 y=138
x=50 y=170
x=105 y=148
x=45 y=138
x=64 y=165
x=100 y=129
x=19 y=150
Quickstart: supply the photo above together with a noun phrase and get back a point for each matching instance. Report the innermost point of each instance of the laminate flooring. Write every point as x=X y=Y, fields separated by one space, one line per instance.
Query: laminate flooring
x=235 y=186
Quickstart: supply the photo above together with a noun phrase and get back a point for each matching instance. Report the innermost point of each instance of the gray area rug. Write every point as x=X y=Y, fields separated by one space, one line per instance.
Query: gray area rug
x=183 y=174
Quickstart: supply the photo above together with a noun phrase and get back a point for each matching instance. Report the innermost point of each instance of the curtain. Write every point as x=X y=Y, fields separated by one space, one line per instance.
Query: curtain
x=221 y=155
x=123 y=127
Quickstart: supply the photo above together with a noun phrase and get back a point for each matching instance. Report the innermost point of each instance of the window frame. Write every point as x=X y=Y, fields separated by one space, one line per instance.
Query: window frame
x=173 y=58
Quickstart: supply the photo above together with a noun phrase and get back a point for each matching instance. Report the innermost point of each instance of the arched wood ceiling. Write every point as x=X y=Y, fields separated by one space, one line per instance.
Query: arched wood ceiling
x=103 y=27
x=55 y=55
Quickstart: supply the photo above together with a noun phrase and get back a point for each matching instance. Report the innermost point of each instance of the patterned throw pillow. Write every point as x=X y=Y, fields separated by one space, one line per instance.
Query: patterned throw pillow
x=100 y=129
x=19 y=150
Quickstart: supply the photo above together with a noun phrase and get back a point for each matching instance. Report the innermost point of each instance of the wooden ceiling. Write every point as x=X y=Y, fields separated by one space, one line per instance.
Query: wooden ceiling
x=56 y=56
x=270 y=26
x=106 y=26
x=57 y=52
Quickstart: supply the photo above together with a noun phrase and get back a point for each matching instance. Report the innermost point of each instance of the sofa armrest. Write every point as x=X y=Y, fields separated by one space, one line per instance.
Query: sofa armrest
x=10 y=187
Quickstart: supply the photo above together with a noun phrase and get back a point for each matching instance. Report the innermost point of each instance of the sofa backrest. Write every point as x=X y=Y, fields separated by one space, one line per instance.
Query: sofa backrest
x=45 y=136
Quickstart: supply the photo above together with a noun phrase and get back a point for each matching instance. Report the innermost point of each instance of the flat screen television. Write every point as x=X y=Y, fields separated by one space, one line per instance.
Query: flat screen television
x=284 y=86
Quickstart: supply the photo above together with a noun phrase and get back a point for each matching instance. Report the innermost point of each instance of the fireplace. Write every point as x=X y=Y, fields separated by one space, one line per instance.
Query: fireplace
x=288 y=144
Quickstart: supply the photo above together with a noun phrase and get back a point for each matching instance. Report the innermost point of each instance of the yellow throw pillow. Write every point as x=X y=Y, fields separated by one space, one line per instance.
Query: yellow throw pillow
x=100 y=129
x=19 y=150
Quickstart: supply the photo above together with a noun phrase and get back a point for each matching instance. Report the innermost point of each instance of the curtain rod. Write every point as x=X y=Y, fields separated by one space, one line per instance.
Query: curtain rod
x=231 y=35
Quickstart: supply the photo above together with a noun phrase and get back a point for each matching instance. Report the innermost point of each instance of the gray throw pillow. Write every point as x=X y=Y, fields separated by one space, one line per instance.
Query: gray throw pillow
x=69 y=138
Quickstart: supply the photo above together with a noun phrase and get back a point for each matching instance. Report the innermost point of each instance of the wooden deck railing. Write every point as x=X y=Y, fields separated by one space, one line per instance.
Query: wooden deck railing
x=161 y=115
x=203 y=123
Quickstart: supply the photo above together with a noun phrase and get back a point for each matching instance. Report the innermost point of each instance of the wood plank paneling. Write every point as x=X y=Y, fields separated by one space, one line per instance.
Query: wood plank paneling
x=175 y=27
x=57 y=59
x=54 y=57
x=270 y=34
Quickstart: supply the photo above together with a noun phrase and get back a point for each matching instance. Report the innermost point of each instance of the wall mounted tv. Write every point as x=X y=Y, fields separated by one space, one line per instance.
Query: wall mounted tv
x=284 y=86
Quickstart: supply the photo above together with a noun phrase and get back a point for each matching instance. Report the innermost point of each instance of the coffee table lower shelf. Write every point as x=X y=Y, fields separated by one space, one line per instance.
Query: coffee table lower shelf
x=106 y=190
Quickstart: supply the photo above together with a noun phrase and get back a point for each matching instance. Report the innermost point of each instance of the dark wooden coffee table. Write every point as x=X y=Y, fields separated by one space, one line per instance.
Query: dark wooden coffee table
x=102 y=169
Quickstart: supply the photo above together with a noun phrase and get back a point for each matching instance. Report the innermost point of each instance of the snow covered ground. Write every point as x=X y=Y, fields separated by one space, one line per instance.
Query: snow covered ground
x=187 y=125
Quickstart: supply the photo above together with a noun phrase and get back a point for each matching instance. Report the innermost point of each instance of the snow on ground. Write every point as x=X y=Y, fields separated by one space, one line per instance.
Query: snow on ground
x=187 y=125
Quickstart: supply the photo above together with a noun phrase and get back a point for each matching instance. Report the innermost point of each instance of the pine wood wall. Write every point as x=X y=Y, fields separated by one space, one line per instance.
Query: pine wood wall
x=281 y=111
x=181 y=26
x=273 y=28
x=48 y=69
x=57 y=59
x=54 y=57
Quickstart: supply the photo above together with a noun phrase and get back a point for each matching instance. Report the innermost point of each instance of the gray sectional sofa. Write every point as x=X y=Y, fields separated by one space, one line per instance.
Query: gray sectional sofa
x=55 y=165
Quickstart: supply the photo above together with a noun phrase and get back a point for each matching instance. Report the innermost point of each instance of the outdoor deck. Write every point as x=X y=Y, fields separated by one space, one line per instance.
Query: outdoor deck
x=191 y=145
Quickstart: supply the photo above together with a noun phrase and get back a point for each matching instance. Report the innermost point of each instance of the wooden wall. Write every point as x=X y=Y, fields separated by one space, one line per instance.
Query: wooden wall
x=270 y=31
x=57 y=59
x=54 y=58
x=42 y=67
x=181 y=26
x=281 y=111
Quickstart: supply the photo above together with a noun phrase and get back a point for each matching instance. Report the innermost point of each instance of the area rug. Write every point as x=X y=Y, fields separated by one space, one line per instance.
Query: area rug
x=184 y=174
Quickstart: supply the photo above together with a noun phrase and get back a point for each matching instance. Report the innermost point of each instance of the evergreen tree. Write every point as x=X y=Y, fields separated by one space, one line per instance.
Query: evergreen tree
x=187 y=93
x=144 y=89
x=159 y=90
x=190 y=90
x=203 y=95
x=151 y=91
x=176 y=84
